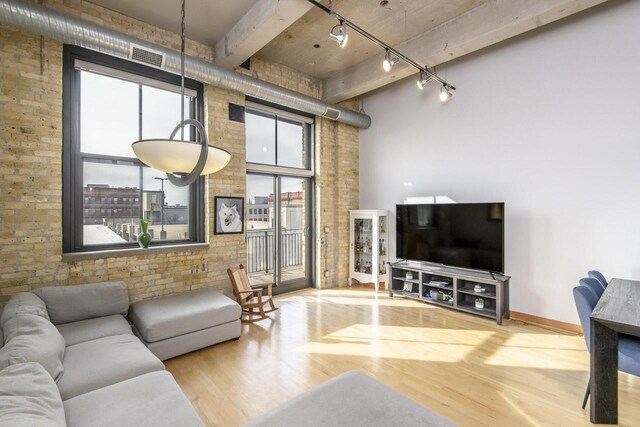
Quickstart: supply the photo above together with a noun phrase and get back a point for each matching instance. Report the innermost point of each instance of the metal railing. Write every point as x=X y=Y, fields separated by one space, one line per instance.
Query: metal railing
x=260 y=249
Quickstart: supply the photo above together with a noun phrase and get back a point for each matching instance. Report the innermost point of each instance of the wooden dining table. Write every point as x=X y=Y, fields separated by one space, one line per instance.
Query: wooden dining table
x=617 y=312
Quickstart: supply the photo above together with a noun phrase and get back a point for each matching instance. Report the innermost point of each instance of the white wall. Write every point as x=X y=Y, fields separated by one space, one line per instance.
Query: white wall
x=549 y=123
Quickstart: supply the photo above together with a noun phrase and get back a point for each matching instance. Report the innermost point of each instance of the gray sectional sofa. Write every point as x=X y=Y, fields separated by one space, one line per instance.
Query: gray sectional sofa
x=69 y=357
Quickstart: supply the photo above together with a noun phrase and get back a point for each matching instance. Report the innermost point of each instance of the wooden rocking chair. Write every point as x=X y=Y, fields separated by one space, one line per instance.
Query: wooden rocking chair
x=250 y=297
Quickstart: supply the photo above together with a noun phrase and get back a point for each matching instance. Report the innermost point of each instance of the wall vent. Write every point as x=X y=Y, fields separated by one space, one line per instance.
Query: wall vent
x=331 y=113
x=146 y=56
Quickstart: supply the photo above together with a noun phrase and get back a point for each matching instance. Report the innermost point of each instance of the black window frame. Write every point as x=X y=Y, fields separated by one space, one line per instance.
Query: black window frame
x=278 y=113
x=72 y=169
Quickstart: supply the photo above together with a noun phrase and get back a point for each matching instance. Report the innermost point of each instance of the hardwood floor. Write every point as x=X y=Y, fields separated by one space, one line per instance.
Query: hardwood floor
x=463 y=367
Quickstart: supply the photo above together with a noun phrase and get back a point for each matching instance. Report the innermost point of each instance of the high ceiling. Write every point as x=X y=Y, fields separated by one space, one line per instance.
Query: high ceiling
x=398 y=21
x=207 y=21
x=295 y=33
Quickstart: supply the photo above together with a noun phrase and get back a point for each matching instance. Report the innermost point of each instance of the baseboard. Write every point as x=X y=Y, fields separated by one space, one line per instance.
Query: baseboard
x=381 y=285
x=529 y=318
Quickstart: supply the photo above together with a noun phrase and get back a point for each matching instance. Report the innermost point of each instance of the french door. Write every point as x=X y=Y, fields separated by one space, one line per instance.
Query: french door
x=279 y=232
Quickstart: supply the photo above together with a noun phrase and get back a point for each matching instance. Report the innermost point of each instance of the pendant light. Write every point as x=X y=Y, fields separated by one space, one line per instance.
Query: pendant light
x=183 y=161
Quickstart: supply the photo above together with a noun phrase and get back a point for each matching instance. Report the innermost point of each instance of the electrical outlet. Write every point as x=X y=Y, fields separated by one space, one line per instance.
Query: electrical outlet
x=326 y=273
x=326 y=230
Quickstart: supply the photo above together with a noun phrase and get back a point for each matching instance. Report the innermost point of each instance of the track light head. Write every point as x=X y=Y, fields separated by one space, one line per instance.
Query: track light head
x=445 y=94
x=389 y=62
x=340 y=36
x=423 y=80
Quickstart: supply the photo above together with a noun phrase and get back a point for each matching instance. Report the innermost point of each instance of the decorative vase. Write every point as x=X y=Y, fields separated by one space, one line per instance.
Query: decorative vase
x=479 y=303
x=144 y=238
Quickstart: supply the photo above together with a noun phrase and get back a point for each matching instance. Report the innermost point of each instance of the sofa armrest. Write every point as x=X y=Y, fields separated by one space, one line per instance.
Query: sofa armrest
x=73 y=303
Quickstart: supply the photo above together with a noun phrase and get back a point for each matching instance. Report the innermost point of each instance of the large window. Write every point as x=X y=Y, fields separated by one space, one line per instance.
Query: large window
x=279 y=197
x=108 y=104
x=278 y=138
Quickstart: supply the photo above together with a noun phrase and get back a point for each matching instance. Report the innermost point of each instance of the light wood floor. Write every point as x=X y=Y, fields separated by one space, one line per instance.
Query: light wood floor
x=463 y=367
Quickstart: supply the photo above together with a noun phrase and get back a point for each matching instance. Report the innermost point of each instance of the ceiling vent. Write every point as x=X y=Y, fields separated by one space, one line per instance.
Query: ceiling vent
x=331 y=113
x=146 y=56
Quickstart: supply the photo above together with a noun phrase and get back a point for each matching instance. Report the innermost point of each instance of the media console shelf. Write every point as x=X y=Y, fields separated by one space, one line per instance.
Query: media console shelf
x=452 y=288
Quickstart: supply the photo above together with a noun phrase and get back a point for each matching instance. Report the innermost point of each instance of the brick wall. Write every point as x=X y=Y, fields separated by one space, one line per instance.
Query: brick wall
x=31 y=170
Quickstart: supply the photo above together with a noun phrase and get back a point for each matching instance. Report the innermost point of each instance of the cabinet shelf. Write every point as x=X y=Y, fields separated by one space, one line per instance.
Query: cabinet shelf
x=413 y=295
x=471 y=308
x=438 y=286
x=438 y=302
x=366 y=263
x=485 y=294
x=402 y=279
x=456 y=282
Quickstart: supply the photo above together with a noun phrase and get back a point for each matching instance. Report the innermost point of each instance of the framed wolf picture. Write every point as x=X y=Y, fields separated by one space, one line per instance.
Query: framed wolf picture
x=229 y=217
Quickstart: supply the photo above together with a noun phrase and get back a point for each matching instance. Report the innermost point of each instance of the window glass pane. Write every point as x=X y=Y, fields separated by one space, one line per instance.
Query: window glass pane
x=293 y=216
x=161 y=113
x=117 y=189
x=261 y=138
x=111 y=202
x=168 y=219
x=291 y=144
x=259 y=234
x=108 y=115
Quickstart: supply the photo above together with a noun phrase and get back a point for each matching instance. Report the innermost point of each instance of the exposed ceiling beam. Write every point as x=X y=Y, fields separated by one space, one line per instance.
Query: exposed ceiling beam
x=489 y=23
x=261 y=24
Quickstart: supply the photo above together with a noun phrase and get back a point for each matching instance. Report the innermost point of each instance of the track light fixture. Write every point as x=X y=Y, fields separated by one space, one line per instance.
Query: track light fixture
x=391 y=57
x=341 y=37
x=389 y=62
x=445 y=95
x=423 y=80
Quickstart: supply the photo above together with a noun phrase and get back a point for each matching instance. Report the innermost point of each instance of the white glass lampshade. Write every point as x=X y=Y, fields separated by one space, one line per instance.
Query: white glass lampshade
x=178 y=157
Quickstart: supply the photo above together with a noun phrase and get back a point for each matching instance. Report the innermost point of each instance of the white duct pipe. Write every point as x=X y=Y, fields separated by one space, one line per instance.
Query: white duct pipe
x=71 y=30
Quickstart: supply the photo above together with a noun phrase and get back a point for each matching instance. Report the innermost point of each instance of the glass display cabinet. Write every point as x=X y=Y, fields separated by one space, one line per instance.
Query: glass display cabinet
x=368 y=247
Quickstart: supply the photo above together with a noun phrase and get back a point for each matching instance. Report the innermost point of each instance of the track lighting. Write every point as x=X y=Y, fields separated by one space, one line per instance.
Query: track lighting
x=391 y=57
x=341 y=37
x=389 y=62
x=445 y=95
x=423 y=80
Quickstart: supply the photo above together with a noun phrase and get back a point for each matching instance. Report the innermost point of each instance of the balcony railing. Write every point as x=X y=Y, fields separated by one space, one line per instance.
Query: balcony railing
x=260 y=249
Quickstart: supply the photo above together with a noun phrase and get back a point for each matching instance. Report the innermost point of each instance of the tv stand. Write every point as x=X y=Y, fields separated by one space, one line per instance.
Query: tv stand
x=452 y=287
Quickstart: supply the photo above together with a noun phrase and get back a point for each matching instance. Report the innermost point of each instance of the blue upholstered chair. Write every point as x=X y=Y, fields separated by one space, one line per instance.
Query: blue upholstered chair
x=628 y=347
x=599 y=277
x=592 y=284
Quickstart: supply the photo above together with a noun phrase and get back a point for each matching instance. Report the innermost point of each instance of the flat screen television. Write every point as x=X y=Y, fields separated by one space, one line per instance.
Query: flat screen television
x=467 y=235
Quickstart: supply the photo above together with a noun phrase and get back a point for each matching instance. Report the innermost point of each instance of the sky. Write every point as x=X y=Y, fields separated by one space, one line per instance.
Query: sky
x=262 y=185
x=110 y=123
x=261 y=141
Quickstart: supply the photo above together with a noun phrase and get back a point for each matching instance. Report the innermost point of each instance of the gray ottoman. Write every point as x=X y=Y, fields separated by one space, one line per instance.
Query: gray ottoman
x=351 y=399
x=177 y=324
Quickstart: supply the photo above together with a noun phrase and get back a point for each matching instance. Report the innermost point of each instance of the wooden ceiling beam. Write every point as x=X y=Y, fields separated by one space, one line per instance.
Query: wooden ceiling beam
x=487 y=24
x=261 y=24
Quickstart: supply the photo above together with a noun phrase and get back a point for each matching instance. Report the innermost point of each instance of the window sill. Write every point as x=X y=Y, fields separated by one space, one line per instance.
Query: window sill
x=117 y=253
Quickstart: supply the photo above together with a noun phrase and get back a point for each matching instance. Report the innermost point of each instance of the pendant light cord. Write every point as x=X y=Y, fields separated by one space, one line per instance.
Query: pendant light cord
x=182 y=70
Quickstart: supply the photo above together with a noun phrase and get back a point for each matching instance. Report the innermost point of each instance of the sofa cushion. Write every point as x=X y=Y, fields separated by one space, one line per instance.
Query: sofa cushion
x=29 y=397
x=23 y=302
x=31 y=338
x=98 y=363
x=153 y=400
x=91 y=329
x=174 y=315
x=67 y=304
